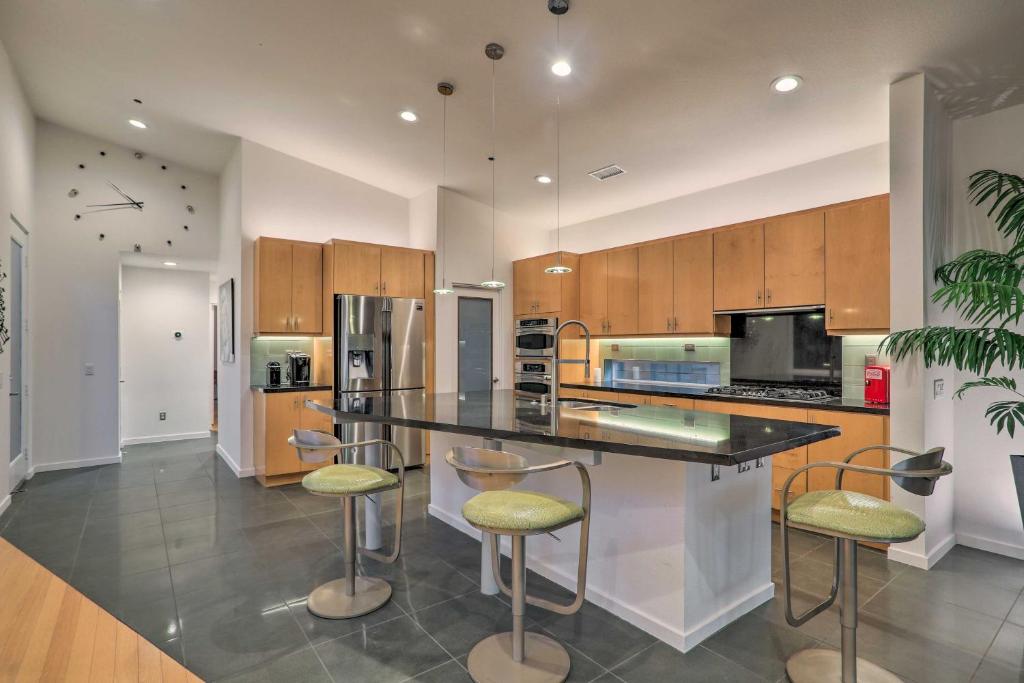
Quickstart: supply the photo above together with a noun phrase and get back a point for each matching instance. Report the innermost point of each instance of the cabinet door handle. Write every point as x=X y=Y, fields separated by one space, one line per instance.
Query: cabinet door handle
x=675 y=323
x=769 y=296
x=384 y=287
x=668 y=324
x=758 y=296
x=830 y=315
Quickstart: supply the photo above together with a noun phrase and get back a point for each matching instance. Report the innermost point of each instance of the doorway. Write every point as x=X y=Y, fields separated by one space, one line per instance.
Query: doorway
x=18 y=386
x=476 y=343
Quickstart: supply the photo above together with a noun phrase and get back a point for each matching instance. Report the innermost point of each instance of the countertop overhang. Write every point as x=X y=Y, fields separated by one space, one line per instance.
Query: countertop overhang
x=645 y=431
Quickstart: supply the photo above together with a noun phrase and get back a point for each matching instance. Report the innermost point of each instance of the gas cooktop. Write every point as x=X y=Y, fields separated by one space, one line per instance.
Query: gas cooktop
x=774 y=392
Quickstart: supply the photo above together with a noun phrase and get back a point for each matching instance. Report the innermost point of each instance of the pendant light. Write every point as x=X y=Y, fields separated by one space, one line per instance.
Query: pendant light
x=558 y=8
x=494 y=52
x=446 y=90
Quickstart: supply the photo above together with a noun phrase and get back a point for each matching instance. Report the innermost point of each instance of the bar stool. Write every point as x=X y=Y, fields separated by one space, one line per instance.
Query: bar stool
x=520 y=656
x=351 y=596
x=849 y=517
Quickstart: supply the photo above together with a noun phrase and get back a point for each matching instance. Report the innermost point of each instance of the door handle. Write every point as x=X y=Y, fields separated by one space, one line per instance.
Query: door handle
x=675 y=323
x=758 y=296
x=769 y=296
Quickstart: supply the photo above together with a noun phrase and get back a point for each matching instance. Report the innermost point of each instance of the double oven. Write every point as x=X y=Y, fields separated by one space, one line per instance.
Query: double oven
x=534 y=347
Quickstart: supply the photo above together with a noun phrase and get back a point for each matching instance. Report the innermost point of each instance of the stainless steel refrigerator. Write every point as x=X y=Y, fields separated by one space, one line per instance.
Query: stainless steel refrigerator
x=379 y=353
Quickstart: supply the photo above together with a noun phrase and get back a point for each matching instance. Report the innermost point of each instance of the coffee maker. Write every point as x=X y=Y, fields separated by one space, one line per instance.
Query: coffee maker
x=273 y=373
x=299 y=368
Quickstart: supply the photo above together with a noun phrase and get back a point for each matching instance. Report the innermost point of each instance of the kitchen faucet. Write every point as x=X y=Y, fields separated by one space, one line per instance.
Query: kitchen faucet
x=556 y=361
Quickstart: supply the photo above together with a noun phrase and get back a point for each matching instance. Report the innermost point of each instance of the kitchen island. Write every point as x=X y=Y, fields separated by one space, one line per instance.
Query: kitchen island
x=680 y=540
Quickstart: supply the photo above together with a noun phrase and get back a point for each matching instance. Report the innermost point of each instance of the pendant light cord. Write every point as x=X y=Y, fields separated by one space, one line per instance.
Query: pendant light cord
x=558 y=151
x=444 y=184
x=493 y=156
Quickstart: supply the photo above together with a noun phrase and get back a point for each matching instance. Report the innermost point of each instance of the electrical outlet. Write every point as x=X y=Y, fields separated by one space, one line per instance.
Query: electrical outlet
x=938 y=388
x=90 y=369
x=689 y=347
x=163 y=415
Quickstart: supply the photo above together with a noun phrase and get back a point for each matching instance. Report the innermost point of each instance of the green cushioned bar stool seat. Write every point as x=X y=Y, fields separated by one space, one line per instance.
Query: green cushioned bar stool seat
x=520 y=511
x=854 y=514
x=348 y=479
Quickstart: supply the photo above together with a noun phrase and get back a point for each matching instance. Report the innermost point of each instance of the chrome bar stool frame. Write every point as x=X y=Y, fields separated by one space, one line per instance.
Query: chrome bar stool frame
x=352 y=596
x=917 y=474
x=518 y=655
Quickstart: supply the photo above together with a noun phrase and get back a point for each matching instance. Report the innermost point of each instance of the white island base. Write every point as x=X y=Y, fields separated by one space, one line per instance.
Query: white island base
x=671 y=552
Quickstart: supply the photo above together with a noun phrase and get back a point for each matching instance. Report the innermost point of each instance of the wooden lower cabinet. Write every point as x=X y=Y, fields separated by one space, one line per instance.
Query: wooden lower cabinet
x=859 y=430
x=275 y=415
x=671 y=402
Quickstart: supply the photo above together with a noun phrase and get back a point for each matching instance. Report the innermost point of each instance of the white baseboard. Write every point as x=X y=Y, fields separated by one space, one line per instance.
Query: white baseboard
x=71 y=464
x=239 y=471
x=990 y=545
x=5 y=503
x=670 y=634
x=898 y=554
x=157 y=438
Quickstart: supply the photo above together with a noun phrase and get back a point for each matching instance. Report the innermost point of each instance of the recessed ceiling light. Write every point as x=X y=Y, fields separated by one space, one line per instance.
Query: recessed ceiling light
x=558 y=270
x=137 y=123
x=493 y=284
x=170 y=263
x=409 y=116
x=440 y=291
x=543 y=179
x=561 y=68
x=785 y=84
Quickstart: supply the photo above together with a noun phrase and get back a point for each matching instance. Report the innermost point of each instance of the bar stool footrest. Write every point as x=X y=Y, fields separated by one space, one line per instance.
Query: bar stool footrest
x=545 y=661
x=818 y=665
x=330 y=602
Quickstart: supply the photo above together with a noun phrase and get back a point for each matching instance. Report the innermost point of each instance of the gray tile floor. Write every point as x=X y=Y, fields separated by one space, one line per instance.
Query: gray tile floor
x=215 y=570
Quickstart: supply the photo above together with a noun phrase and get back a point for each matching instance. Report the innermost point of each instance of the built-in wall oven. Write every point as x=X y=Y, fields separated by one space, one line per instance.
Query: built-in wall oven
x=533 y=377
x=535 y=337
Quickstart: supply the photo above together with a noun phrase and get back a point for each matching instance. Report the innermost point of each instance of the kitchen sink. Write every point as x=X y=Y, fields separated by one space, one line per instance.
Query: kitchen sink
x=576 y=404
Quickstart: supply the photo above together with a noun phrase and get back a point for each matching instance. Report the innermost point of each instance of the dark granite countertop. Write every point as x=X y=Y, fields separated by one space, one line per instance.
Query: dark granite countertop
x=849 y=405
x=285 y=388
x=648 y=431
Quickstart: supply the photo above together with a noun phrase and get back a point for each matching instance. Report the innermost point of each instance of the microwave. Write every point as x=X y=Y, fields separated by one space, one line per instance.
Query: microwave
x=532 y=377
x=535 y=337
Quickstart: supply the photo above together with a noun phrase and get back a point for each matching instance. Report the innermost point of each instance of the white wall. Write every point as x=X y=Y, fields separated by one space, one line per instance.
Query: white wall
x=163 y=373
x=987 y=516
x=230 y=376
x=268 y=193
x=17 y=130
x=860 y=173
x=73 y=280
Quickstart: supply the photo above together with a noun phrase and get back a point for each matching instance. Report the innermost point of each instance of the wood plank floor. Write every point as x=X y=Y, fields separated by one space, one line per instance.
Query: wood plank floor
x=51 y=632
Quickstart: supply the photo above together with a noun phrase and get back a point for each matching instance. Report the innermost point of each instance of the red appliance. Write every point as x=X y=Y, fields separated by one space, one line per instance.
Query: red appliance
x=876 y=384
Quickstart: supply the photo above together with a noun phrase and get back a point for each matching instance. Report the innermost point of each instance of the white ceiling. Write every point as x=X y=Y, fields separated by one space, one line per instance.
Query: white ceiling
x=675 y=91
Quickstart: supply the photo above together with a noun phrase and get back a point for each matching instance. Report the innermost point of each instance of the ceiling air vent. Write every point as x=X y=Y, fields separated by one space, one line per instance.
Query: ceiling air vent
x=607 y=172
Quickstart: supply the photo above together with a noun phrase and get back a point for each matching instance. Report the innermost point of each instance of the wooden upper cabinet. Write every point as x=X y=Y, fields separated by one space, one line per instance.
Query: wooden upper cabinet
x=857 y=266
x=307 y=288
x=357 y=268
x=273 y=278
x=535 y=291
x=289 y=287
x=623 y=274
x=401 y=273
x=739 y=268
x=794 y=260
x=594 y=291
x=693 y=281
x=655 y=309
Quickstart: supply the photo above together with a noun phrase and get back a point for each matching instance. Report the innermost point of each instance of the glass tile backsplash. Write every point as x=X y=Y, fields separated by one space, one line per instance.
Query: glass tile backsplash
x=679 y=351
x=663 y=372
x=856 y=349
x=265 y=349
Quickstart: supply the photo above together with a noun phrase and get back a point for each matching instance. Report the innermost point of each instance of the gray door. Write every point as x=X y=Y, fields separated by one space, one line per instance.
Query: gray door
x=476 y=342
x=15 y=327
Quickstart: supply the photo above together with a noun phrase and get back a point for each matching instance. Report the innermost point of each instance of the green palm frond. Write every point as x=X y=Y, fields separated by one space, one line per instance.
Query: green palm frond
x=1005 y=415
x=1007 y=383
x=975 y=349
x=1007 y=194
x=979 y=303
x=983 y=265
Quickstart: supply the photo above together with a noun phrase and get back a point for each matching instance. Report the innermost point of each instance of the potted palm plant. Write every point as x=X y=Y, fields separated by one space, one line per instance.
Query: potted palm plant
x=984 y=287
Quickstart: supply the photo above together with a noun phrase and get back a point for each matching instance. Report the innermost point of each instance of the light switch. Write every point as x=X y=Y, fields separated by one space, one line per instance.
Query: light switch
x=938 y=388
x=90 y=369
